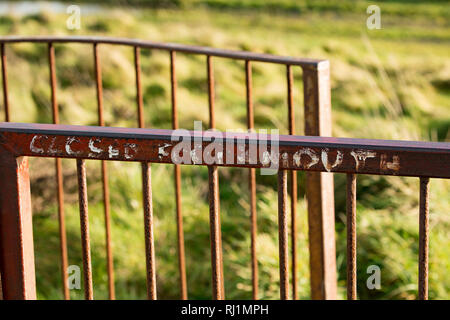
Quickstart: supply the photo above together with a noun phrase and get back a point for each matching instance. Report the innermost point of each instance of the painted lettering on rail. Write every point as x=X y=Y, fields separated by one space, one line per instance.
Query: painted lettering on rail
x=304 y=158
x=41 y=144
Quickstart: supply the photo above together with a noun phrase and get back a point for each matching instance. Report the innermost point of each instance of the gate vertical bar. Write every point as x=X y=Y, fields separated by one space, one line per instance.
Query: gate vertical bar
x=423 y=238
x=252 y=181
x=216 y=232
x=139 y=99
x=319 y=191
x=293 y=183
x=5 y=83
x=16 y=229
x=177 y=174
x=148 y=229
x=101 y=122
x=59 y=177
x=211 y=92
x=351 y=236
x=146 y=191
x=283 y=234
x=84 y=225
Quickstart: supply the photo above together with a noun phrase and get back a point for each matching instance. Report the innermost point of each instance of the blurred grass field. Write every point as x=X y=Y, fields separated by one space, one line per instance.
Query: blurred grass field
x=392 y=83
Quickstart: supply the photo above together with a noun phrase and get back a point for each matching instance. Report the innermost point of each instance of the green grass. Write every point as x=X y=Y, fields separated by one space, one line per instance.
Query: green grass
x=391 y=83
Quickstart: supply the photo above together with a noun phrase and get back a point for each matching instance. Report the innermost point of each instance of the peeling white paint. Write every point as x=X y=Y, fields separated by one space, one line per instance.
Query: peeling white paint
x=130 y=147
x=284 y=159
x=265 y=158
x=34 y=148
x=296 y=158
x=112 y=152
x=309 y=152
x=94 y=149
x=360 y=157
x=69 y=150
x=161 y=150
x=52 y=148
x=337 y=162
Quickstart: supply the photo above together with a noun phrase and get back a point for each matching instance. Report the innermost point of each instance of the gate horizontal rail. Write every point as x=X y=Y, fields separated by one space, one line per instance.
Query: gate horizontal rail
x=308 y=153
x=351 y=156
x=240 y=55
x=317 y=120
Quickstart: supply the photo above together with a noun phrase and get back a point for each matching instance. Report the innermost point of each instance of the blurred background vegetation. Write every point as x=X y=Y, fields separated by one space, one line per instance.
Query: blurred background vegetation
x=392 y=83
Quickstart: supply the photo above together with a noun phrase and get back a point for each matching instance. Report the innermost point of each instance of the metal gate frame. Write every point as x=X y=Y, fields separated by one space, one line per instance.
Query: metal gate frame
x=317 y=118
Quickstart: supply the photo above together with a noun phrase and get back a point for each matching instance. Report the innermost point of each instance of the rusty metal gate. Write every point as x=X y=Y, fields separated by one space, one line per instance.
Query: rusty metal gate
x=318 y=154
x=351 y=156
